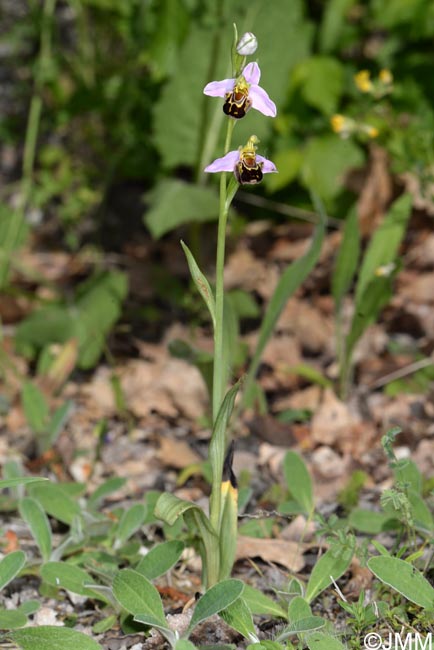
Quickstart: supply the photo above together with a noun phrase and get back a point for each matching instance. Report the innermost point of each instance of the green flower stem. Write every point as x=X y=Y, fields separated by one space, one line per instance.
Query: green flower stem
x=219 y=372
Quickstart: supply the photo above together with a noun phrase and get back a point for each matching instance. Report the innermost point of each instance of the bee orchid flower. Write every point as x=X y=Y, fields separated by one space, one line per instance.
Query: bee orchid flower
x=247 y=166
x=242 y=93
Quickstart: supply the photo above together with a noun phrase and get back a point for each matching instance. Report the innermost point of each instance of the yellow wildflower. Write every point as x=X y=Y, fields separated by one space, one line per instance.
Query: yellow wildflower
x=385 y=76
x=363 y=81
x=337 y=123
x=372 y=131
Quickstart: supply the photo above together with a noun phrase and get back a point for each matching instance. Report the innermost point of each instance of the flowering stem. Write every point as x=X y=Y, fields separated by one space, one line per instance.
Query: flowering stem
x=219 y=371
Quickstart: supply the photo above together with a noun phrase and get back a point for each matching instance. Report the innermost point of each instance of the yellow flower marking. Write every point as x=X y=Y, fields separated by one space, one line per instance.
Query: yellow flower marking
x=363 y=81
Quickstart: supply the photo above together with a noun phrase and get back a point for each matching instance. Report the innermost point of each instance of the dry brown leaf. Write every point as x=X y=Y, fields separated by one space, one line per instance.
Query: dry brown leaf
x=418 y=287
x=177 y=453
x=376 y=192
x=332 y=419
x=312 y=329
x=248 y=272
x=288 y=554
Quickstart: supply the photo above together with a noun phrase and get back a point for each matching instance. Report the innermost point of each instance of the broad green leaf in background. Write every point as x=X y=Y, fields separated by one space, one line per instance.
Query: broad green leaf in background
x=67 y=576
x=34 y=515
x=404 y=578
x=329 y=566
x=56 y=502
x=261 y=604
x=298 y=481
x=347 y=258
x=130 y=522
x=370 y=521
x=384 y=244
x=160 y=559
x=35 y=407
x=323 y=641
x=333 y=23
x=288 y=162
x=219 y=597
x=172 y=23
x=179 y=111
x=10 y=566
x=239 y=617
x=184 y=644
x=173 y=203
x=326 y=159
x=201 y=282
x=90 y=316
x=52 y=637
x=293 y=276
x=321 y=81
x=138 y=595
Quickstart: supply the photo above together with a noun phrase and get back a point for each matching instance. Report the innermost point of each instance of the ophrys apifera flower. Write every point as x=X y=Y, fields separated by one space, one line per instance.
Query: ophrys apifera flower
x=242 y=93
x=247 y=166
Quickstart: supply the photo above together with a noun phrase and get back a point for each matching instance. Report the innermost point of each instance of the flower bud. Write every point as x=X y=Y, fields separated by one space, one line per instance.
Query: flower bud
x=247 y=45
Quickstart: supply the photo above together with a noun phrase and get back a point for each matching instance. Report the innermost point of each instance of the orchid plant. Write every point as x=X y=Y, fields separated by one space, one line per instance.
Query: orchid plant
x=218 y=532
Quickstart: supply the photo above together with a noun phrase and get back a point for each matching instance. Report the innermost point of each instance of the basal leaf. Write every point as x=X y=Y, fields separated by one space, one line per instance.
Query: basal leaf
x=160 y=559
x=56 y=502
x=48 y=637
x=404 y=578
x=34 y=515
x=214 y=600
x=137 y=595
x=347 y=258
x=298 y=481
x=329 y=566
x=10 y=566
x=261 y=604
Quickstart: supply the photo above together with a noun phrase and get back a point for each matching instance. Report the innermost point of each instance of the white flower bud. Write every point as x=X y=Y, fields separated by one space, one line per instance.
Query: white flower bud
x=248 y=44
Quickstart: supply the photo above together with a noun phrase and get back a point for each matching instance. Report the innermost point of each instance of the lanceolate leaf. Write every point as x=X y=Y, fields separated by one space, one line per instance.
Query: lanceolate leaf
x=201 y=282
x=219 y=597
x=160 y=559
x=298 y=481
x=137 y=595
x=347 y=258
x=34 y=515
x=239 y=616
x=329 y=566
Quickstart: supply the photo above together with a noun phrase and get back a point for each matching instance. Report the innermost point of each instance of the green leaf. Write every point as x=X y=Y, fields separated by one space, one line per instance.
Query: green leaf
x=102 y=491
x=325 y=160
x=47 y=637
x=34 y=515
x=368 y=306
x=298 y=609
x=347 y=258
x=322 y=641
x=184 y=644
x=10 y=566
x=333 y=23
x=137 y=595
x=301 y=626
x=384 y=244
x=10 y=619
x=64 y=575
x=321 y=79
x=404 y=578
x=239 y=617
x=130 y=522
x=20 y=480
x=174 y=203
x=290 y=280
x=56 y=424
x=370 y=521
x=56 y=502
x=160 y=559
x=288 y=162
x=35 y=407
x=201 y=282
x=421 y=513
x=214 y=600
x=260 y=604
x=298 y=481
x=330 y=566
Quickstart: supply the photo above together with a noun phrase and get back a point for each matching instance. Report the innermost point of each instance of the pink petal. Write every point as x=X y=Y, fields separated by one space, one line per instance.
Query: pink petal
x=252 y=73
x=219 y=88
x=225 y=164
x=268 y=166
x=261 y=101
